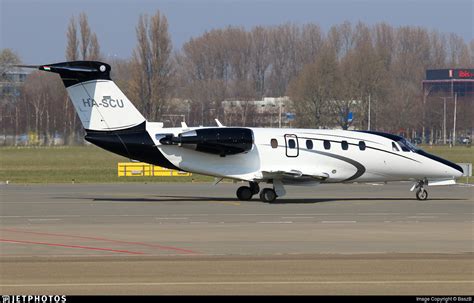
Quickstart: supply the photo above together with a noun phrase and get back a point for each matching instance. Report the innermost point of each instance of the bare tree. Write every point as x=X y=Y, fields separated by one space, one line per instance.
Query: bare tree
x=282 y=57
x=85 y=35
x=153 y=65
x=41 y=102
x=72 y=47
x=259 y=58
x=458 y=51
x=209 y=67
x=309 y=44
x=82 y=44
x=239 y=46
x=7 y=58
x=437 y=50
x=94 y=48
x=35 y=95
x=384 y=41
x=72 y=54
x=314 y=91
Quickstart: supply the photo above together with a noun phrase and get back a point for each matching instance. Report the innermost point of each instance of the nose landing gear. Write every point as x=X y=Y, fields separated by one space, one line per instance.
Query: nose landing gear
x=421 y=192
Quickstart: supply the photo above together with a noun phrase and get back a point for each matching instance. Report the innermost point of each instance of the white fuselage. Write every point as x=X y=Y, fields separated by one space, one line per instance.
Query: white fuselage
x=343 y=161
x=276 y=156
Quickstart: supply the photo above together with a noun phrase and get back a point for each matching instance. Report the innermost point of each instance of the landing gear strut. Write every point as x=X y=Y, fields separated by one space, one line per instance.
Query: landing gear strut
x=254 y=188
x=421 y=193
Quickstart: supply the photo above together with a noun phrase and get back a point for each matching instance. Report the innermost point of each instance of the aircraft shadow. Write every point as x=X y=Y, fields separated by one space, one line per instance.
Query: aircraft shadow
x=256 y=200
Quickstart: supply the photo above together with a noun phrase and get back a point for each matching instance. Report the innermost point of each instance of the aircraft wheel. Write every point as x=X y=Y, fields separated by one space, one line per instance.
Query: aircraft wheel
x=421 y=194
x=244 y=193
x=268 y=195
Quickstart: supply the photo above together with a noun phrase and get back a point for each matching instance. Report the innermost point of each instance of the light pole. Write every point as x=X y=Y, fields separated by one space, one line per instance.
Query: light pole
x=454 y=126
x=368 y=122
x=444 y=118
x=279 y=117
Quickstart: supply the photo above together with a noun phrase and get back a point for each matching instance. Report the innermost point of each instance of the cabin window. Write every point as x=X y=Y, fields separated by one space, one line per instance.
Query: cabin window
x=344 y=145
x=309 y=144
x=394 y=147
x=362 y=145
x=291 y=143
x=327 y=144
x=274 y=143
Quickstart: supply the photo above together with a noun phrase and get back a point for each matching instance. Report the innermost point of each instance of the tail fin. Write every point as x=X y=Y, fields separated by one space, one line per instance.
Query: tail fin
x=98 y=101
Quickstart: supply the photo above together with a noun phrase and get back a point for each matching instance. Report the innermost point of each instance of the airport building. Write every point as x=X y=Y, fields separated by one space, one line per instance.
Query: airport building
x=268 y=112
x=11 y=81
x=448 y=106
x=10 y=90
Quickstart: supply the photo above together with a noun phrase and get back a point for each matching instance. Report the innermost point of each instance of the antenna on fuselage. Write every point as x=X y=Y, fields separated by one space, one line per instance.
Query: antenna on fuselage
x=219 y=124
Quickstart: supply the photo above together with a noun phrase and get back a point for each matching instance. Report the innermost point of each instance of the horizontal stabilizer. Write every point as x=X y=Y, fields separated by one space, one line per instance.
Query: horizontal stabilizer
x=27 y=66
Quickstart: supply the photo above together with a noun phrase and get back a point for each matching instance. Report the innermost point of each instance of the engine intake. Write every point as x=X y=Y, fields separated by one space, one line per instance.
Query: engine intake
x=221 y=141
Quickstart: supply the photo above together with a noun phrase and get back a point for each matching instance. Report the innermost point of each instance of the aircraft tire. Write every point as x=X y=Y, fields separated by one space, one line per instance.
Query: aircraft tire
x=421 y=194
x=268 y=195
x=244 y=193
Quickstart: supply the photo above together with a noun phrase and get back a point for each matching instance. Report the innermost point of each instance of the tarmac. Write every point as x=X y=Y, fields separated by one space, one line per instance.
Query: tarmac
x=196 y=238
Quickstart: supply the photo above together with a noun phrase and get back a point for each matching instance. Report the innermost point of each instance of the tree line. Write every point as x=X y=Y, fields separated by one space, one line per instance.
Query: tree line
x=350 y=68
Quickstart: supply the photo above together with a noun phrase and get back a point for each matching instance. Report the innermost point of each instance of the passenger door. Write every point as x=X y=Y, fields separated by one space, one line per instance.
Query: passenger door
x=292 y=147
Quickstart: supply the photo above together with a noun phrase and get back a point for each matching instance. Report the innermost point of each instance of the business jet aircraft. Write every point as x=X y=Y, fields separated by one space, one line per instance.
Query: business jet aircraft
x=255 y=155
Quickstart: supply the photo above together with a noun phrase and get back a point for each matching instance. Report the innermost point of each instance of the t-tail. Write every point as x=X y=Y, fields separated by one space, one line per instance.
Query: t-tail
x=110 y=119
x=99 y=103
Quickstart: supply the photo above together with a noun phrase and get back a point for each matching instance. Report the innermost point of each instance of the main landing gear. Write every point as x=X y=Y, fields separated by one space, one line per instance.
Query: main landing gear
x=421 y=192
x=268 y=195
x=246 y=193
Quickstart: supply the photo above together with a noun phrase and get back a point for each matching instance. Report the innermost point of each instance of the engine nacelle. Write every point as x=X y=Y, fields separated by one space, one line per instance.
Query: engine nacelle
x=220 y=141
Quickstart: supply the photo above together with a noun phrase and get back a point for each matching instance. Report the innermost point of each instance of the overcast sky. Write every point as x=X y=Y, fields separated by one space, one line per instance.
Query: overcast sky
x=36 y=29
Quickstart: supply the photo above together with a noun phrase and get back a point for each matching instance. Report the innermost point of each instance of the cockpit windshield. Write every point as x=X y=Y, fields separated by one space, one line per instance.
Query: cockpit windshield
x=412 y=146
x=407 y=145
x=404 y=144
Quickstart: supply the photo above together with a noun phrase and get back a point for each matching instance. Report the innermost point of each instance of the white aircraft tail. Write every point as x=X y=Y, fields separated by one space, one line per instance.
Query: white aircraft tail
x=98 y=101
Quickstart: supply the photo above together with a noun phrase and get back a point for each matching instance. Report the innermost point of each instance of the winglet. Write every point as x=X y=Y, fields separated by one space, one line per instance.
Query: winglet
x=184 y=125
